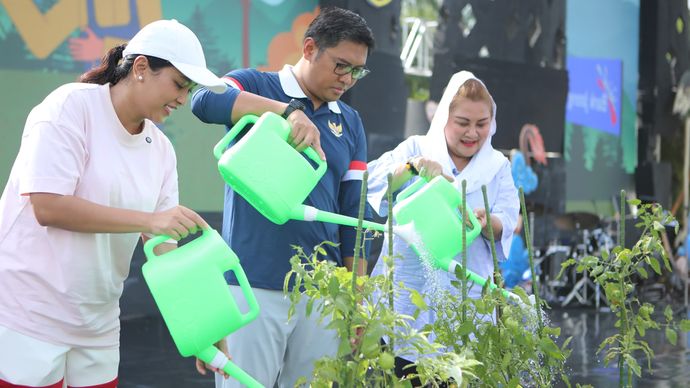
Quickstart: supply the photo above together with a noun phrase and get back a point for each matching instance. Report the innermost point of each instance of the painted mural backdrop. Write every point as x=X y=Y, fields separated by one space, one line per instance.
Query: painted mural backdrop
x=600 y=135
x=45 y=43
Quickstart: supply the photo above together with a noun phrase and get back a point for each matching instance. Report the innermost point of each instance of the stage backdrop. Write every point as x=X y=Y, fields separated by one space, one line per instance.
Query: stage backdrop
x=600 y=144
x=45 y=43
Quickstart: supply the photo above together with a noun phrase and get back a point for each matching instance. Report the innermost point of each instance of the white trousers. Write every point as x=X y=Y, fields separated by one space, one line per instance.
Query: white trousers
x=273 y=350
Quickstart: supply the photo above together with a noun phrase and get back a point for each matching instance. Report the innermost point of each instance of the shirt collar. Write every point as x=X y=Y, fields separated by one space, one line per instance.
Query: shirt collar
x=291 y=87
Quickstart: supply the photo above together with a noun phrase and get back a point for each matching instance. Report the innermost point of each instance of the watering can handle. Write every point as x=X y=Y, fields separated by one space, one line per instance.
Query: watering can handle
x=157 y=240
x=232 y=134
x=311 y=154
x=248 y=294
x=411 y=189
x=476 y=228
x=152 y=243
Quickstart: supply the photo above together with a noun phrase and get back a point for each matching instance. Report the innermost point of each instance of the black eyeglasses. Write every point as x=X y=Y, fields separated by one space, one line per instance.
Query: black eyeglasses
x=358 y=72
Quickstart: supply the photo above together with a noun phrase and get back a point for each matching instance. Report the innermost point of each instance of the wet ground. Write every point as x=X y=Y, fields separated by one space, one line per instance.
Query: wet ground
x=150 y=359
x=670 y=365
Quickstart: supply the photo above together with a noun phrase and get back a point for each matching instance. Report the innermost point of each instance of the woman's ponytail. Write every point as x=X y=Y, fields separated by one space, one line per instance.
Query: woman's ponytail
x=110 y=70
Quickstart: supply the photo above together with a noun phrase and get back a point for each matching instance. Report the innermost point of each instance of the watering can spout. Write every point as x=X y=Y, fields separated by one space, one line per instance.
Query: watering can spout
x=475 y=278
x=214 y=357
x=310 y=213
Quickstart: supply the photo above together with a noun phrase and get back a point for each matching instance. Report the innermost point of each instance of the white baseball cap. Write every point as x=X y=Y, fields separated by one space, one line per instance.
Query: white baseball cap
x=177 y=44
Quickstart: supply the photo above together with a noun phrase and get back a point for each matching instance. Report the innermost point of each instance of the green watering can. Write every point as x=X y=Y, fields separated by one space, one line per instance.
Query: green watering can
x=439 y=236
x=271 y=175
x=432 y=210
x=188 y=286
x=276 y=179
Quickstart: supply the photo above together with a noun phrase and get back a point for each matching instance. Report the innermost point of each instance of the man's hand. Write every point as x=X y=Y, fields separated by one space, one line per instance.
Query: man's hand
x=304 y=133
x=202 y=366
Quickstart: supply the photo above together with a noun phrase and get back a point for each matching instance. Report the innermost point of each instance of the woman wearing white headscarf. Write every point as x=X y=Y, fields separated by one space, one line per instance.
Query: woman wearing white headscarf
x=457 y=146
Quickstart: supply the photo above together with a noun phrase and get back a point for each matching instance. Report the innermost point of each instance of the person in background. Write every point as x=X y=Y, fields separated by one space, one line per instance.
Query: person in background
x=93 y=175
x=334 y=53
x=457 y=146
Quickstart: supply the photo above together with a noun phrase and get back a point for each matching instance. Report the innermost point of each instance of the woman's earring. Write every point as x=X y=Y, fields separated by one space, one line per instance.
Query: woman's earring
x=140 y=78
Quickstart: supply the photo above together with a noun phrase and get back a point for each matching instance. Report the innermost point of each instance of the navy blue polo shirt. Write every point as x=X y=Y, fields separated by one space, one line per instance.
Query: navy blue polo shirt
x=263 y=247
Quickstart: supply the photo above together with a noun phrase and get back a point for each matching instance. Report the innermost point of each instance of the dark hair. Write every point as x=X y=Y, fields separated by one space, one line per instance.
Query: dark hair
x=111 y=70
x=334 y=25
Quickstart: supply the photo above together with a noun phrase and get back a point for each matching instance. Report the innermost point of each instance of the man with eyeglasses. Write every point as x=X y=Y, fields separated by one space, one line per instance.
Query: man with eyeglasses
x=334 y=53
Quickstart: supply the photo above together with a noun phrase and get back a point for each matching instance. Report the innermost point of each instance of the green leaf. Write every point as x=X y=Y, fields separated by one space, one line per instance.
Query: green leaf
x=632 y=364
x=418 y=300
x=654 y=263
x=466 y=328
x=550 y=348
x=671 y=336
x=519 y=291
x=597 y=270
x=333 y=286
x=642 y=272
x=685 y=325
x=565 y=266
x=668 y=313
x=658 y=227
x=310 y=305
x=555 y=331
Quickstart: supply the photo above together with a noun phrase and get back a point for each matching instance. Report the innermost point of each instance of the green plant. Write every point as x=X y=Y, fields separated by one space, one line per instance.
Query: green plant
x=615 y=273
x=510 y=351
x=361 y=318
x=514 y=347
x=418 y=87
x=359 y=309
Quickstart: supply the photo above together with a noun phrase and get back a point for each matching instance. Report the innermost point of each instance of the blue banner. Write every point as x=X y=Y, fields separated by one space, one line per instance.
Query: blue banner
x=594 y=95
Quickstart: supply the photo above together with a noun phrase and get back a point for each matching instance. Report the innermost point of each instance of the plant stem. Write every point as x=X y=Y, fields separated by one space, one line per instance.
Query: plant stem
x=621 y=223
x=623 y=307
x=530 y=252
x=464 y=251
x=391 y=279
x=355 y=264
x=358 y=239
x=498 y=279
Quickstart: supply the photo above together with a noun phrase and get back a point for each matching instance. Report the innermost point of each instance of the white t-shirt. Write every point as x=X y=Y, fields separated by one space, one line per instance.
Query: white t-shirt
x=61 y=286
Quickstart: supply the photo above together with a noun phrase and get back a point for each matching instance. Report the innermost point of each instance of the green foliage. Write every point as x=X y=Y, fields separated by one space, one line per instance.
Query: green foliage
x=424 y=9
x=510 y=351
x=614 y=272
x=361 y=317
x=418 y=87
x=469 y=349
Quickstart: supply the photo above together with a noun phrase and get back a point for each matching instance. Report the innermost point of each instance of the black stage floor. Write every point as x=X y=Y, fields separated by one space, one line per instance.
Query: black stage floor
x=149 y=357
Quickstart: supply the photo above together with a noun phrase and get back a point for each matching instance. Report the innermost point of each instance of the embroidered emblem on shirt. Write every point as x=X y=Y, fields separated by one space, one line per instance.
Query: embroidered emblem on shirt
x=336 y=129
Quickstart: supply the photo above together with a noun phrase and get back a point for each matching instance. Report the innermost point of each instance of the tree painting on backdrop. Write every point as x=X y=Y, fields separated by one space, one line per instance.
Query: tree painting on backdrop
x=46 y=43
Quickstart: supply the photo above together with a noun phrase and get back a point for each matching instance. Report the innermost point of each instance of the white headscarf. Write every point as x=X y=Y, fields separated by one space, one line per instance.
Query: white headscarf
x=484 y=164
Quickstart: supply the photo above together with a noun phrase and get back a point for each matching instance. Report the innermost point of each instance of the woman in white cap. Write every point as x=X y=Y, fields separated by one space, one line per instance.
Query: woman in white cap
x=92 y=175
x=458 y=146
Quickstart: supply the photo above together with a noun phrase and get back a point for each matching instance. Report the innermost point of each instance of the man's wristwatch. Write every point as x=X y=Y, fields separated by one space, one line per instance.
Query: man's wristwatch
x=293 y=105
